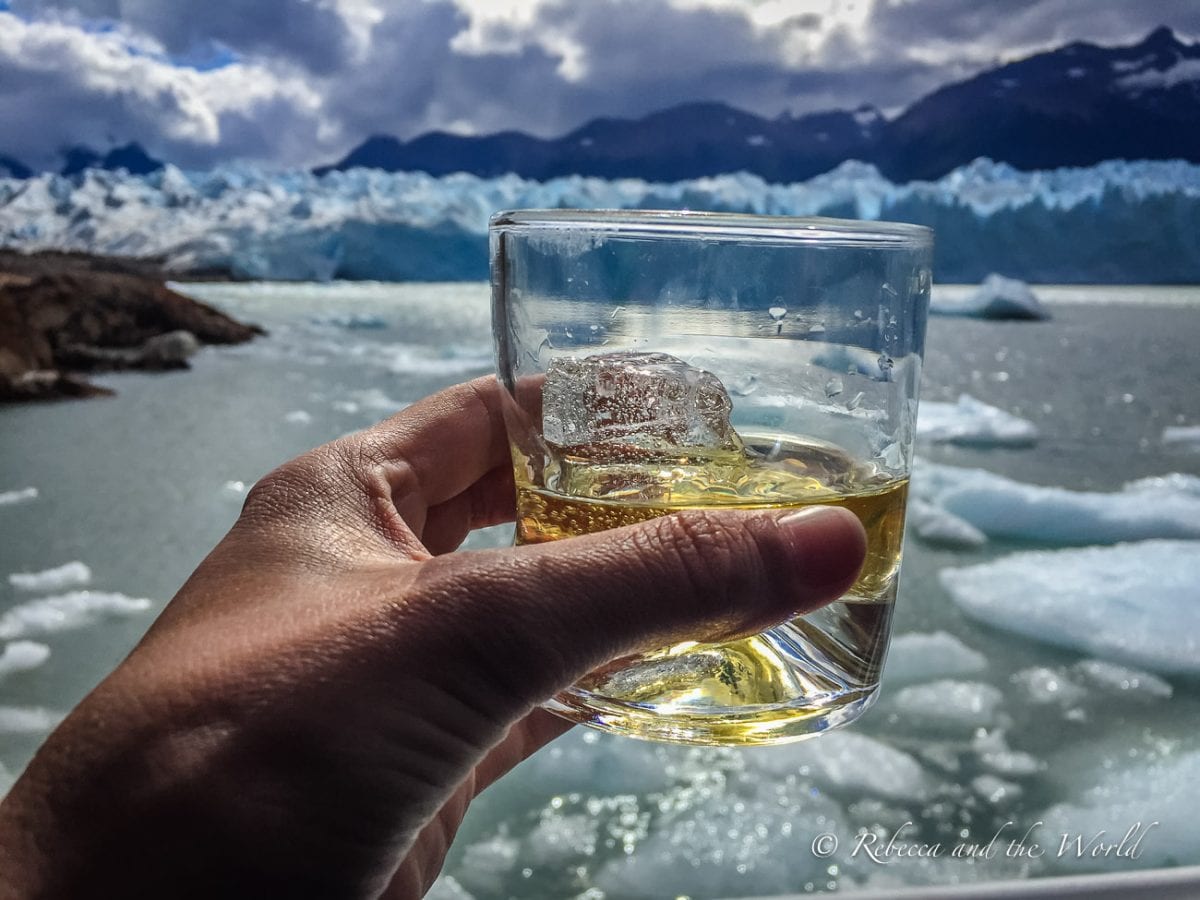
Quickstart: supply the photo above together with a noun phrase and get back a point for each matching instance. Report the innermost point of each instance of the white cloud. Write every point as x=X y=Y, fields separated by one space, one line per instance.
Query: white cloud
x=301 y=81
x=63 y=86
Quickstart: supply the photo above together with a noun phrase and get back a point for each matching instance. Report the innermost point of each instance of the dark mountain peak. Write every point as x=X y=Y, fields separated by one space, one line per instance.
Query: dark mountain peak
x=1075 y=105
x=1161 y=38
x=14 y=168
x=379 y=151
x=76 y=159
x=131 y=157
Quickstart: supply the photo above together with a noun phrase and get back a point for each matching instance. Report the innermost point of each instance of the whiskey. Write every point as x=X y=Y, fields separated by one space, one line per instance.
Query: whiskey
x=824 y=665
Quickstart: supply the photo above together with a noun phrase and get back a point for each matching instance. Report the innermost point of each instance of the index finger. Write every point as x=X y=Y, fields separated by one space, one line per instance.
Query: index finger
x=440 y=446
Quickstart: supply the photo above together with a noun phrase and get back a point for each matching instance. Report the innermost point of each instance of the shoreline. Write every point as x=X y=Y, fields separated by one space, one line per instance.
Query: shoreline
x=65 y=315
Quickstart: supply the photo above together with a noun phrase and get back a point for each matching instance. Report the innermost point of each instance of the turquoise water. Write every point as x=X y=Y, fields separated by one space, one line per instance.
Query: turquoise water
x=140 y=486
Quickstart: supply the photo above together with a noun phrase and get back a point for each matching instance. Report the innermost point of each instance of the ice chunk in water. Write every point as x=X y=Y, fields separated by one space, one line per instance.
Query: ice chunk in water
x=914 y=658
x=1147 y=803
x=635 y=401
x=948 y=705
x=21 y=656
x=1132 y=604
x=68 y=575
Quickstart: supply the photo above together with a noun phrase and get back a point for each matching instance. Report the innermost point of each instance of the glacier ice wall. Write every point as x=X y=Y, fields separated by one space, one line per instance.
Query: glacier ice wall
x=1132 y=222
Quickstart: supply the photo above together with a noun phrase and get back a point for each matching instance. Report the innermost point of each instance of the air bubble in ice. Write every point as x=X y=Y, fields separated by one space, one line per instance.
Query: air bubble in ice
x=777 y=312
x=635 y=401
x=833 y=387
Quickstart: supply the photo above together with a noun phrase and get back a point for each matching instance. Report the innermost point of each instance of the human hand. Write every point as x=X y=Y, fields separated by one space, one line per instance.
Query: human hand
x=315 y=709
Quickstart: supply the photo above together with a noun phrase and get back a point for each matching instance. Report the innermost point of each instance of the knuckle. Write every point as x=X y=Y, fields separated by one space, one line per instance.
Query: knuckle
x=303 y=484
x=715 y=557
x=273 y=493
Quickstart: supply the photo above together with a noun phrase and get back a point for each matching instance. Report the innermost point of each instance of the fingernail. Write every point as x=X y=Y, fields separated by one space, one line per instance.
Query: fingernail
x=828 y=544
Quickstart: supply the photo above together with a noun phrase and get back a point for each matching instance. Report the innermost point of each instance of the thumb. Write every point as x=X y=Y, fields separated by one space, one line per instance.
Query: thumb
x=542 y=616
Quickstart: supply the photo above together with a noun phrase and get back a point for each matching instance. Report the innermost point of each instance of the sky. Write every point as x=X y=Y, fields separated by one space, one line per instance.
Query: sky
x=300 y=82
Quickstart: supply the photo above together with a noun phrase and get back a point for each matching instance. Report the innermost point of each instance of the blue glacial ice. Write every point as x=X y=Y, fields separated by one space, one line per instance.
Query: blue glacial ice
x=973 y=422
x=996 y=298
x=1134 y=604
x=1159 y=507
x=364 y=224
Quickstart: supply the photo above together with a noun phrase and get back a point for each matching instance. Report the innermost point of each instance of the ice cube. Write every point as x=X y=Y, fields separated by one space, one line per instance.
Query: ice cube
x=635 y=402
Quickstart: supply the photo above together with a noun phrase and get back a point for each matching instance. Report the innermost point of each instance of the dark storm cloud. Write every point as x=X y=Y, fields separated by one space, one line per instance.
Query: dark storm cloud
x=634 y=58
x=315 y=78
x=1021 y=24
x=311 y=35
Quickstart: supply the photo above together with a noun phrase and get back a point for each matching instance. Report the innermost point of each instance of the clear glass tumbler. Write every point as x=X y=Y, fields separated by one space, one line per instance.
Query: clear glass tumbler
x=657 y=361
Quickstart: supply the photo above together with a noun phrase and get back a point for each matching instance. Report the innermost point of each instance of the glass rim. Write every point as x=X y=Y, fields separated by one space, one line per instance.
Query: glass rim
x=699 y=225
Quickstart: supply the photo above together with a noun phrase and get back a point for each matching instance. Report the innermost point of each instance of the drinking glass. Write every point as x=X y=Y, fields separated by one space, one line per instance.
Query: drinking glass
x=658 y=361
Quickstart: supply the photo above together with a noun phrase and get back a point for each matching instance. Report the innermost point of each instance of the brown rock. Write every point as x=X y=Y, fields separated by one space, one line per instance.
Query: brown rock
x=85 y=317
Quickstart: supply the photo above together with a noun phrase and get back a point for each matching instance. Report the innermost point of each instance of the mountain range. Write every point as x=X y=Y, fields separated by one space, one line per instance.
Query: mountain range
x=1074 y=106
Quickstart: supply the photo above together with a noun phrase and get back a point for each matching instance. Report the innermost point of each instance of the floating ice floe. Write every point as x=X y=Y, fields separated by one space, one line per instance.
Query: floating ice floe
x=916 y=657
x=1133 y=604
x=446 y=888
x=69 y=575
x=848 y=764
x=1043 y=685
x=728 y=843
x=418 y=359
x=486 y=864
x=1161 y=507
x=935 y=525
x=21 y=656
x=996 y=298
x=298 y=417
x=970 y=421
x=27 y=719
x=1144 y=808
x=559 y=838
x=846 y=360
x=607 y=764
x=12 y=498
x=1121 y=681
x=994 y=754
x=375 y=400
x=996 y=790
x=354 y=321
x=1182 y=435
x=948 y=705
x=63 y=612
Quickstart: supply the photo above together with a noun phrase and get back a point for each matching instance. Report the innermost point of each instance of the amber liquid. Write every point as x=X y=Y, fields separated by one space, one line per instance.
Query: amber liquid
x=817 y=670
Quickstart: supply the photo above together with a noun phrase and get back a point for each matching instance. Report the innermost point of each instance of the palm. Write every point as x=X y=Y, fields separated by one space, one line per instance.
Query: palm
x=423 y=861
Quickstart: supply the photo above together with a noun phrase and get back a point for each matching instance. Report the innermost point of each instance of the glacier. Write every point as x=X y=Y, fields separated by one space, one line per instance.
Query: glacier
x=366 y=224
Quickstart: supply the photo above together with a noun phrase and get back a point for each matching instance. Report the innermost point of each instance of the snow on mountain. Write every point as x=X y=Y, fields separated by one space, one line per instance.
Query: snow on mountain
x=1059 y=225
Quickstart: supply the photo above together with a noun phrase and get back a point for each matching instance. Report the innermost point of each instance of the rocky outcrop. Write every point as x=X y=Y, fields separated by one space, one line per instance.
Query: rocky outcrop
x=64 y=314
